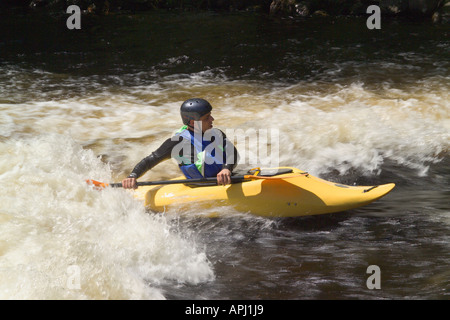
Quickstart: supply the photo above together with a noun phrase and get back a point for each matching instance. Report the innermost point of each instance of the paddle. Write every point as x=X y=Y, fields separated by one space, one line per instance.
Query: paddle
x=99 y=184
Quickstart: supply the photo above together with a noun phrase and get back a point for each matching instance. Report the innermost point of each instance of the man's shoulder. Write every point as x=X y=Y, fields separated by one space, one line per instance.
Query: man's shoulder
x=217 y=131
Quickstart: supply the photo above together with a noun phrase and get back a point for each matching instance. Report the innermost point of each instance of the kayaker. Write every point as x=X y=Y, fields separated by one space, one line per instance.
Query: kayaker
x=200 y=150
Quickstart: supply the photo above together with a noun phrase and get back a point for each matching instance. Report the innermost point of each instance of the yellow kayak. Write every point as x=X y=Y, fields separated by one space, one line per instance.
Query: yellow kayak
x=289 y=193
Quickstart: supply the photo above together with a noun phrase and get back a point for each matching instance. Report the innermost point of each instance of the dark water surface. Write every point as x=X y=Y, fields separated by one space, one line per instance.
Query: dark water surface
x=352 y=105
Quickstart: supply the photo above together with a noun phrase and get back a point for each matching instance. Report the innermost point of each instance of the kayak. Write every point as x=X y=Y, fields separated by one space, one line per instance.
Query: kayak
x=292 y=193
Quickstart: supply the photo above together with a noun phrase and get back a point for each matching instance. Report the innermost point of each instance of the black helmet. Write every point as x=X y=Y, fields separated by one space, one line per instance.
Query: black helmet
x=194 y=109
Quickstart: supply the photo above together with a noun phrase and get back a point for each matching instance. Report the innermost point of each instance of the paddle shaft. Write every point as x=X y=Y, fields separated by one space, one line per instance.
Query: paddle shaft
x=199 y=180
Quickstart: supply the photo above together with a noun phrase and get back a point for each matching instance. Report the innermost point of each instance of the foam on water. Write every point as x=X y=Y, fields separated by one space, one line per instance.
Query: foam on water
x=357 y=128
x=60 y=239
x=325 y=125
x=349 y=103
x=342 y=127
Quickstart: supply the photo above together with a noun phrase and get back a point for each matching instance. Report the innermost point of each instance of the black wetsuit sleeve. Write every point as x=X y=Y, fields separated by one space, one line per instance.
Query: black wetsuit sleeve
x=232 y=155
x=163 y=153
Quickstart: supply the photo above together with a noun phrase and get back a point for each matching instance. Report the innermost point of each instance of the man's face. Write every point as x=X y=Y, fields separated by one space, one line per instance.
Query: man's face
x=206 y=122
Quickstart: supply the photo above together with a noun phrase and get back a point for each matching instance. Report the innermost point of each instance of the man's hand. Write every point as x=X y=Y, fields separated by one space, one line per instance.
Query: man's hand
x=129 y=183
x=224 y=177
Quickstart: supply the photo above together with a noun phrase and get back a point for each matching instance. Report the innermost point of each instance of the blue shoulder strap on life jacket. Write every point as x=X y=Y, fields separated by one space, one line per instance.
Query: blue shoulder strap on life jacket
x=208 y=163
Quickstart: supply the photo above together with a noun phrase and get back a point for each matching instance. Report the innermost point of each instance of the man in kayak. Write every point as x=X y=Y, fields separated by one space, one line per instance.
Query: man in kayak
x=200 y=150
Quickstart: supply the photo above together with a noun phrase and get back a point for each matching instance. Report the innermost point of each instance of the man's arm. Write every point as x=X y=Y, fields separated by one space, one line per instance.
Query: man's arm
x=232 y=158
x=232 y=155
x=162 y=153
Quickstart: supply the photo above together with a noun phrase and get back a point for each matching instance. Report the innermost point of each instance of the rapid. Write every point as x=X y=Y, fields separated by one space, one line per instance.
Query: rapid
x=350 y=105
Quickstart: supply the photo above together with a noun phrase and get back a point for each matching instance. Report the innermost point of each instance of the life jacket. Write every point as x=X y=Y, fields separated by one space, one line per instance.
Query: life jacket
x=210 y=155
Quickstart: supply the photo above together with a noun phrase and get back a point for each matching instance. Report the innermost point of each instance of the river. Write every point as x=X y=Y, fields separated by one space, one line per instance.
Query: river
x=351 y=105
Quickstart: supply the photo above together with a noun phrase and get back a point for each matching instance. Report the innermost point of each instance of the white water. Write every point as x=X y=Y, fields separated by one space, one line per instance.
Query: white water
x=52 y=225
x=61 y=239
x=324 y=125
x=351 y=104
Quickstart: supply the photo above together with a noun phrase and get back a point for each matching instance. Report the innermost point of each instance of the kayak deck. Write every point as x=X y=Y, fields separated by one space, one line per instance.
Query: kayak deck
x=287 y=196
